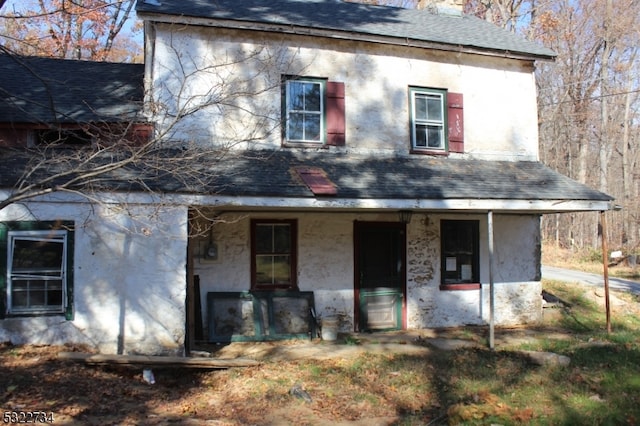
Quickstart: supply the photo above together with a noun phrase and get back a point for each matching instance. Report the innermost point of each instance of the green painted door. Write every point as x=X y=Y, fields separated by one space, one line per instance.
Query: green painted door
x=380 y=275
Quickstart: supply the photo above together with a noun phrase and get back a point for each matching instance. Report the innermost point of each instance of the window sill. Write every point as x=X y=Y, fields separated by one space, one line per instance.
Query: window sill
x=459 y=287
x=33 y=314
x=428 y=152
x=290 y=144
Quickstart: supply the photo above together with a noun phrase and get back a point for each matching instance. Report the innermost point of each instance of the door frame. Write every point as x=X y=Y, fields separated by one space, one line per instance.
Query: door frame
x=358 y=227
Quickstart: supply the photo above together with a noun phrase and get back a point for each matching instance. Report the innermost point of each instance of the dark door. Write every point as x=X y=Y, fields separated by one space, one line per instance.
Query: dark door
x=379 y=275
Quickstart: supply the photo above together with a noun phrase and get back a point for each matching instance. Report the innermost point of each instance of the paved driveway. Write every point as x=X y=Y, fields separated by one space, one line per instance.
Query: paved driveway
x=559 y=274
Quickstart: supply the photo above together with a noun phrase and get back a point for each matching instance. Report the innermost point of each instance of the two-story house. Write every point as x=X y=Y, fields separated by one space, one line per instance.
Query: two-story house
x=373 y=165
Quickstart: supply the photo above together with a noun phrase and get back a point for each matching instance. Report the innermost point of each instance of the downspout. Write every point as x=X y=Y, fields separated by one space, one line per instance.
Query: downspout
x=491 y=286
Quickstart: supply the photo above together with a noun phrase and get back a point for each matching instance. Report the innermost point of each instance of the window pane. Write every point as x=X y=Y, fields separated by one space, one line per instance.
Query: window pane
x=19 y=298
x=29 y=294
x=421 y=136
x=264 y=239
x=43 y=256
x=434 y=107
x=273 y=270
x=281 y=270
x=312 y=97
x=296 y=96
x=312 y=128
x=304 y=96
x=435 y=137
x=296 y=126
x=264 y=269
x=420 y=107
x=282 y=239
x=54 y=298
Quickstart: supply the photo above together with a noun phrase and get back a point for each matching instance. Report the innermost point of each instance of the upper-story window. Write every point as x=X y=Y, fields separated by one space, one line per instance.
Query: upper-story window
x=436 y=121
x=305 y=111
x=428 y=118
x=313 y=111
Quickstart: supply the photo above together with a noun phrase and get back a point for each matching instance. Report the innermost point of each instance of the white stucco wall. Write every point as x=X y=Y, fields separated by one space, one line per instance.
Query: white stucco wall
x=499 y=94
x=326 y=267
x=129 y=279
x=515 y=274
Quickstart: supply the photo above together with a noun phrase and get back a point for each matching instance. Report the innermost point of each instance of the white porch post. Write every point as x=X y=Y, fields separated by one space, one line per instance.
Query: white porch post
x=491 y=287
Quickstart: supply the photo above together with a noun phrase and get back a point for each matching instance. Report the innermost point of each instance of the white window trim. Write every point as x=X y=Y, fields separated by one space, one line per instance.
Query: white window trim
x=321 y=113
x=45 y=236
x=440 y=123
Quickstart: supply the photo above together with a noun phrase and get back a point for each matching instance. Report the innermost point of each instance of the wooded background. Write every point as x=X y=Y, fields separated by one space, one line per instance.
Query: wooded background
x=588 y=98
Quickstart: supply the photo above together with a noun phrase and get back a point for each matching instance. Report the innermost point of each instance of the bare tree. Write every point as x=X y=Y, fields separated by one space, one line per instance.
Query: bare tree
x=589 y=108
x=97 y=30
x=128 y=154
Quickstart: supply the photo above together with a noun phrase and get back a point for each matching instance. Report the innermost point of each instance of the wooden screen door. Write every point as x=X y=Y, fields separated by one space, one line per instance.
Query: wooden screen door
x=380 y=263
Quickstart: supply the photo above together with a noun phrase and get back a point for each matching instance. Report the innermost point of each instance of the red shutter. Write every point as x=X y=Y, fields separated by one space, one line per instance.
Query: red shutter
x=455 y=122
x=335 y=114
x=317 y=180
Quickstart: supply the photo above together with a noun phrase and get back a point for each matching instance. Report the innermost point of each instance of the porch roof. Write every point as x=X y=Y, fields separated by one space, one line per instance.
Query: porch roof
x=272 y=179
x=246 y=180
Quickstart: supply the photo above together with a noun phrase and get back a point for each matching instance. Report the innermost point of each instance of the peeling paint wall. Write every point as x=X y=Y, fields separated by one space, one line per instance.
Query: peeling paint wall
x=500 y=112
x=129 y=279
x=326 y=267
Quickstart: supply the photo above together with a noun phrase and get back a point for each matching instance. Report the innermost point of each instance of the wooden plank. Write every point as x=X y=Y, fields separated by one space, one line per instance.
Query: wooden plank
x=156 y=361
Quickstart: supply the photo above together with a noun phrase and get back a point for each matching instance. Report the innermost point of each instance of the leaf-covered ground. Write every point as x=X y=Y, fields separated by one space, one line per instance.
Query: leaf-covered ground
x=469 y=385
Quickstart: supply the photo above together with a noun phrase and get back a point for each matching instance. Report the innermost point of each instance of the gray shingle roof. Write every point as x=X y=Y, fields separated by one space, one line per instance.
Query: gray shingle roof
x=45 y=90
x=415 y=177
x=346 y=17
x=271 y=174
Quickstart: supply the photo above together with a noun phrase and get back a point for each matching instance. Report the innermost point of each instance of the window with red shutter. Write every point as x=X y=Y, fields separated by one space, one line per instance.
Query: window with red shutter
x=437 y=125
x=313 y=111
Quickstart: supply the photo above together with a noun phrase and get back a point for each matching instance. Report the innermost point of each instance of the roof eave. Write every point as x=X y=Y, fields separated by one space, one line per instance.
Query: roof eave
x=341 y=35
x=510 y=206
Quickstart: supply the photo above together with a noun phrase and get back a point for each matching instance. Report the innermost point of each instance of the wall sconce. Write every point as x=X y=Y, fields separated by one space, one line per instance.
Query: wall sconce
x=405 y=216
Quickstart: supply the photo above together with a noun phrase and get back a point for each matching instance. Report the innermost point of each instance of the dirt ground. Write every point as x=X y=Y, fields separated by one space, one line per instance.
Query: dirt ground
x=33 y=378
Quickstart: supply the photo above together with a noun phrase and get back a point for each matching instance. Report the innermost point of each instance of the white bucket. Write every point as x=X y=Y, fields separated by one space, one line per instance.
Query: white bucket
x=330 y=328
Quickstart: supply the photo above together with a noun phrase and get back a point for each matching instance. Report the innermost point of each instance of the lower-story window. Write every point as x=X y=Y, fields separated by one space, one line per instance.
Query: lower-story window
x=460 y=254
x=38 y=268
x=273 y=254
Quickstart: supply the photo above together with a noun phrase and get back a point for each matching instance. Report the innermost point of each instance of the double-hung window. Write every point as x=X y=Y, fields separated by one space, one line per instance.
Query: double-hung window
x=273 y=254
x=460 y=254
x=305 y=110
x=428 y=119
x=313 y=111
x=38 y=269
